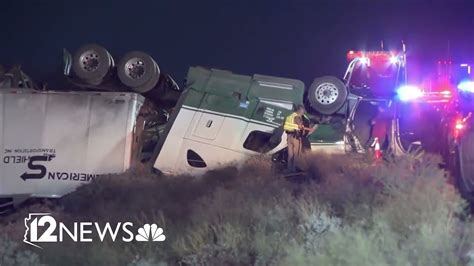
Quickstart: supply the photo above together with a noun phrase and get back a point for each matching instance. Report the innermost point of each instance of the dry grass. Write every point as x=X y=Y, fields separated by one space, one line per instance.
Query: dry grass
x=352 y=212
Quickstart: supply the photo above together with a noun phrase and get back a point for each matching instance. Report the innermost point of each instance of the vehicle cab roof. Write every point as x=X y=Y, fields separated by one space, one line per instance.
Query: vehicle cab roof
x=227 y=84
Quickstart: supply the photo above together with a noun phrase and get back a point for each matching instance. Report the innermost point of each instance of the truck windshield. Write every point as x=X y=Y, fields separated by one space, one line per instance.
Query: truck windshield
x=382 y=79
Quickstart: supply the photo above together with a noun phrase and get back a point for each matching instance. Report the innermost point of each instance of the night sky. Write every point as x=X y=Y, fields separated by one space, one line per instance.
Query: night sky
x=297 y=39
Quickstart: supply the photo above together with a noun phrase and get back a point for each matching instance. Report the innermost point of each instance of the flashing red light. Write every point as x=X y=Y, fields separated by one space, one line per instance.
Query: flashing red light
x=459 y=127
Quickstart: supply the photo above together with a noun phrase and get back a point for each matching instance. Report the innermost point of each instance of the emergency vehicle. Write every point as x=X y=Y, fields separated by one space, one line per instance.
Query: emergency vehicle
x=438 y=113
x=460 y=129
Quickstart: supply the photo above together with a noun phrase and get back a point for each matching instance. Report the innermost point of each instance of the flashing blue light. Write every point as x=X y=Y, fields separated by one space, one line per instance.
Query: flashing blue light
x=409 y=92
x=467 y=86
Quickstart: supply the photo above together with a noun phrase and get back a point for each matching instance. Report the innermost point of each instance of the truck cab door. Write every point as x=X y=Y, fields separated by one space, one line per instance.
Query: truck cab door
x=208 y=126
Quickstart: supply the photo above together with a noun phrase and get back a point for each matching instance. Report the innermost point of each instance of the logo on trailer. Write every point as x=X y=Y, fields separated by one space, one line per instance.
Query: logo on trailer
x=34 y=164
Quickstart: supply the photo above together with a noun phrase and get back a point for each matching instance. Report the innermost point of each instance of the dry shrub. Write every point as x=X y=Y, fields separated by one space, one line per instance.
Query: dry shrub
x=12 y=255
x=131 y=194
x=347 y=183
x=418 y=195
x=416 y=219
x=250 y=224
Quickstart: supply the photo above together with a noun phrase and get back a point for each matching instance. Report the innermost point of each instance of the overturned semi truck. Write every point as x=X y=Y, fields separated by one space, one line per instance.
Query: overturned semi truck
x=117 y=116
x=121 y=115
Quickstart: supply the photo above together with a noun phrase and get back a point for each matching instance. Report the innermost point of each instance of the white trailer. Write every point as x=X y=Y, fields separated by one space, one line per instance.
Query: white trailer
x=52 y=142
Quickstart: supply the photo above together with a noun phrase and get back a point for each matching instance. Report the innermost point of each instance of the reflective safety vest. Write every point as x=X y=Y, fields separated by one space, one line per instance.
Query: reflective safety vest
x=290 y=124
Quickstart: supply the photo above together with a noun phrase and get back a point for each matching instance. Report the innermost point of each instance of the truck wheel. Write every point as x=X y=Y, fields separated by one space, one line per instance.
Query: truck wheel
x=466 y=165
x=138 y=71
x=151 y=83
x=91 y=63
x=327 y=95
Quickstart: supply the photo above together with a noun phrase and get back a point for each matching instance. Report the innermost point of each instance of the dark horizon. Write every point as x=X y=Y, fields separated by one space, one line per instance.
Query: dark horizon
x=302 y=40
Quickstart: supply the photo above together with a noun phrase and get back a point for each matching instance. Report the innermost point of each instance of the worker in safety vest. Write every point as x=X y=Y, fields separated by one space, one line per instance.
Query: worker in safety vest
x=295 y=130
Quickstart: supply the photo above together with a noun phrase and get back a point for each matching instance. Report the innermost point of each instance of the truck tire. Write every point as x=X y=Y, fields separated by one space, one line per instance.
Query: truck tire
x=91 y=63
x=327 y=95
x=465 y=155
x=138 y=71
x=151 y=84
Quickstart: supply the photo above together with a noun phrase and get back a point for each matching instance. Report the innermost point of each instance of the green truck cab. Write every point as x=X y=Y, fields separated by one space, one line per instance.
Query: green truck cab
x=223 y=117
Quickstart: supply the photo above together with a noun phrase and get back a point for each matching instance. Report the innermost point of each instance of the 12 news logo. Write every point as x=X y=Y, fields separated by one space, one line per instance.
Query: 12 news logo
x=43 y=228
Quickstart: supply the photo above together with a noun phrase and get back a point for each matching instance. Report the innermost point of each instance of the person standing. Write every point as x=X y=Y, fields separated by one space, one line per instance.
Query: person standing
x=380 y=127
x=295 y=129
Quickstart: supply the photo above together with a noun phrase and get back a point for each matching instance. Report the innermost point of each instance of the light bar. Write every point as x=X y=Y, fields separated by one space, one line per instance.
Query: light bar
x=375 y=56
x=409 y=93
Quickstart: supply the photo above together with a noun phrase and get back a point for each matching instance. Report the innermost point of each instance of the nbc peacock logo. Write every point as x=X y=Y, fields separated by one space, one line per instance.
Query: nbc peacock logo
x=150 y=233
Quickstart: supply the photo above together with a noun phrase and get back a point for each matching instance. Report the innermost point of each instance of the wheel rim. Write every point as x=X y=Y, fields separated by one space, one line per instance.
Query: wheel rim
x=135 y=68
x=326 y=93
x=90 y=61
